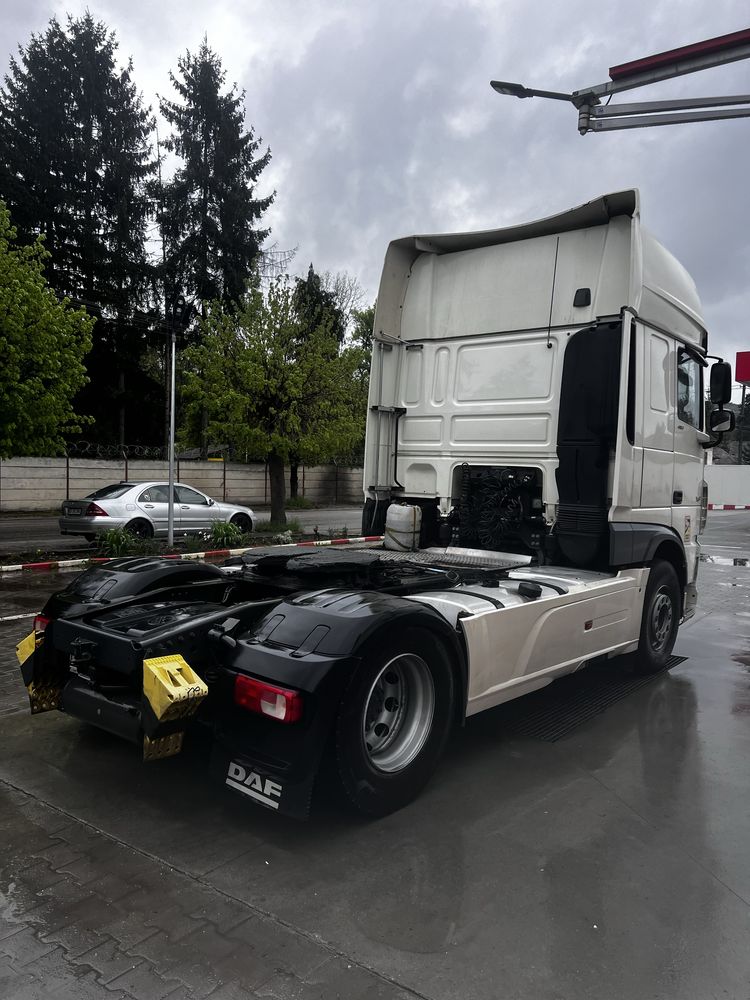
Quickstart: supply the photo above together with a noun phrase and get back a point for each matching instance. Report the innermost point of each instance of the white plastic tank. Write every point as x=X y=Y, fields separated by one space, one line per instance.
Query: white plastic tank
x=402 y=525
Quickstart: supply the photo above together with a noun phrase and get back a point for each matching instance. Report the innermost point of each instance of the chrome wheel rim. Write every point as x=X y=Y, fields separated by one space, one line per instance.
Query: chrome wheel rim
x=662 y=617
x=398 y=713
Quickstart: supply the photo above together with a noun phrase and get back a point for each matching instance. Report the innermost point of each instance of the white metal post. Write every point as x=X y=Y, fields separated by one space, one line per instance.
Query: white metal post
x=170 y=508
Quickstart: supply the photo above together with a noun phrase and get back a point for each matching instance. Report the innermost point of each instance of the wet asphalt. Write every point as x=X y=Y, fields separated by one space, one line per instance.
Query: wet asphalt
x=610 y=863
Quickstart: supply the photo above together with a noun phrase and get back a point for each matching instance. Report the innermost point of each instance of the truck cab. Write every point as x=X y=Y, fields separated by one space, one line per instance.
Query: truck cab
x=540 y=389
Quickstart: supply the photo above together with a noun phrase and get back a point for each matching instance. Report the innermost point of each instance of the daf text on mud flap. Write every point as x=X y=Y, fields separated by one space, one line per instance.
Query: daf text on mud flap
x=249 y=783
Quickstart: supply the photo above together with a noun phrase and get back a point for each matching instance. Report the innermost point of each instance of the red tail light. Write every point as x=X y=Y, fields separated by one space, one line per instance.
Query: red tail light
x=266 y=699
x=40 y=623
x=94 y=510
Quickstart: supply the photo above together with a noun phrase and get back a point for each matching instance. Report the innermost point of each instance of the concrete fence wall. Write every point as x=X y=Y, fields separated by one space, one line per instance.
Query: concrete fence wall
x=728 y=484
x=43 y=483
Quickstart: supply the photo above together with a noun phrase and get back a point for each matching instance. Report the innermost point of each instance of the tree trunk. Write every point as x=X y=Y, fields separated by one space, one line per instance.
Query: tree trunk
x=293 y=477
x=204 y=434
x=121 y=395
x=278 y=491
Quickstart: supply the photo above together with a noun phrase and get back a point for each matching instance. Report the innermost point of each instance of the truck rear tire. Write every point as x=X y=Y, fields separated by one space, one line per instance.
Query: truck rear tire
x=661 y=618
x=394 y=721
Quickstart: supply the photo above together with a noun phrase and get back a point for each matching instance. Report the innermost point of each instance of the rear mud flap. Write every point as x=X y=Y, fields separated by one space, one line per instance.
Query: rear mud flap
x=262 y=785
x=43 y=683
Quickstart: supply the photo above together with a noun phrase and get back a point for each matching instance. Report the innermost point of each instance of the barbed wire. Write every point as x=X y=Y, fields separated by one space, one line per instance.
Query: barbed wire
x=119 y=452
x=94 y=449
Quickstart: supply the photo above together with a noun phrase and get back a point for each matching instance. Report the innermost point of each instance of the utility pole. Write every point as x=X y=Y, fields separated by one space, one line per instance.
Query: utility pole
x=178 y=313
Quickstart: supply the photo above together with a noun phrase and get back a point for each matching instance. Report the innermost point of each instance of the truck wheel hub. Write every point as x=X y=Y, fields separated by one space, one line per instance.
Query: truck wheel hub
x=398 y=713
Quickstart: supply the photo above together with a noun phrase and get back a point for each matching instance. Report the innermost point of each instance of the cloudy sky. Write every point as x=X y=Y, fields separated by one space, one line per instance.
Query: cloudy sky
x=381 y=121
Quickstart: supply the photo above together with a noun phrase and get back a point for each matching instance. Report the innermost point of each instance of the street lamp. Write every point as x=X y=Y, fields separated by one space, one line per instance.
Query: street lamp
x=595 y=116
x=518 y=90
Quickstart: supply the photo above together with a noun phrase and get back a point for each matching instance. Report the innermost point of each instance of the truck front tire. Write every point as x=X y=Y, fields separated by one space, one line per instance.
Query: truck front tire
x=661 y=618
x=394 y=721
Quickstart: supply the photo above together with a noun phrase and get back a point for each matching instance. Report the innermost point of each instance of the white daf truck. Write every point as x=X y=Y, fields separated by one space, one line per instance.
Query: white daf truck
x=536 y=414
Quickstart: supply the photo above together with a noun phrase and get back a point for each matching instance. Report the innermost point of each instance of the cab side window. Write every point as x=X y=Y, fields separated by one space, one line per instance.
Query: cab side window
x=689 y=390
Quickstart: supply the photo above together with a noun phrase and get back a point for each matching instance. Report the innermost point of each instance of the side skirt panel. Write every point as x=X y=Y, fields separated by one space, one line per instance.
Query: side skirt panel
x=514 y=650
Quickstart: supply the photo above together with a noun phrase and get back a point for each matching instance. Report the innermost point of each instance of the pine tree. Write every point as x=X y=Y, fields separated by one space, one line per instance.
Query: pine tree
x=74 y=162
x=211 y=212
x=316 y=305
x=74 y=157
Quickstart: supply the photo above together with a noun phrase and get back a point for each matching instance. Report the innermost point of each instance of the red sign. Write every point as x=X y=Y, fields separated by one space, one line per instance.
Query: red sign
x=742 y=368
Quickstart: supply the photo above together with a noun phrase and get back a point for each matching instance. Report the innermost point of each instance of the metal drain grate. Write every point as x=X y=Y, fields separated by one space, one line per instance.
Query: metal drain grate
x=561 y=712
x=455 y=557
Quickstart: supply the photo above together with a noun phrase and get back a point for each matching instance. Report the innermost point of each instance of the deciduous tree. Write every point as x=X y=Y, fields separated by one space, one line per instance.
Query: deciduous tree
x=269 y=390
x=42 y=345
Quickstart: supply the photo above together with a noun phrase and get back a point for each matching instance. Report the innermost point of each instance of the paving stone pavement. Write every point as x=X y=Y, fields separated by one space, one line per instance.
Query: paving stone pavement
x=85 y=917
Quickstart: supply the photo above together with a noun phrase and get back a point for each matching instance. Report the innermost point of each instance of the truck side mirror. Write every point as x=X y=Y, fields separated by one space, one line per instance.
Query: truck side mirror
x=721 y=421
x=721 y=382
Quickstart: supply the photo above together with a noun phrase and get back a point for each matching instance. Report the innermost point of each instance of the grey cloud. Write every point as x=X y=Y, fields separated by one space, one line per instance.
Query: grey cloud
x=382 y=122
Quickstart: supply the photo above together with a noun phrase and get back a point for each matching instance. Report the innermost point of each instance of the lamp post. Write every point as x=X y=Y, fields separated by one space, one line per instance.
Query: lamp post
x=178 y=310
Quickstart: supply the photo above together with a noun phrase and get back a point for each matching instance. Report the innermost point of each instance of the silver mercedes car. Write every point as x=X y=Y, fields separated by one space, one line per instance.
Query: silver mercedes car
x=143 y=509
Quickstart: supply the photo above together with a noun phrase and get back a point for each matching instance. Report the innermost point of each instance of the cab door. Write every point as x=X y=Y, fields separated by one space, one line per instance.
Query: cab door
x=658 y=424
x=687 y=480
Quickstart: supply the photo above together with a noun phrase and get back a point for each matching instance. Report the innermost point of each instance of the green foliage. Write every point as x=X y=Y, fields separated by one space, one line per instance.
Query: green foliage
x=316 y=306
x=211 y=211
x=299 y=503
x=362 y=328
x=116 y=542
x=338 y=532
x=196 y=542
x=75 y=141
x=272 y=528
x=42 y=346
x=270 y=387
x=225 y=535
x=74 y=160
x=363 y=322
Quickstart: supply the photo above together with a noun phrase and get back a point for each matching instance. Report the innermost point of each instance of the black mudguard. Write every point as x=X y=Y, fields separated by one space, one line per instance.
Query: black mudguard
x=122 y=578
x=311 y=643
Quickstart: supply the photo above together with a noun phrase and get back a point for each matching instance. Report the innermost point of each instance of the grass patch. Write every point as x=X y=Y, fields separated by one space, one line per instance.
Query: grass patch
x=271 y=528
x=118 y=542
x=225 y=535
x=338 y=532
x=299 y=503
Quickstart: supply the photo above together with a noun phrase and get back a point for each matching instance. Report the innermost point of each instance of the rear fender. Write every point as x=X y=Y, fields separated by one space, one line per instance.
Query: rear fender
x=300 y=639
x=121 y=579
x=311 y=643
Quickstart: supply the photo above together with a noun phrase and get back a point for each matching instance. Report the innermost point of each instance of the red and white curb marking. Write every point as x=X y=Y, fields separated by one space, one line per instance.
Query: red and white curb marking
x=729 y=506
x=43 y=567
